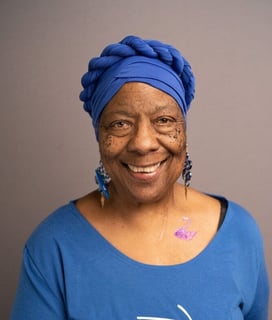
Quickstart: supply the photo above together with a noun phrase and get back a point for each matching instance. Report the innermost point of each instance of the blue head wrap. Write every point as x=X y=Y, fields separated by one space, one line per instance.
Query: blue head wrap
x=136 y=60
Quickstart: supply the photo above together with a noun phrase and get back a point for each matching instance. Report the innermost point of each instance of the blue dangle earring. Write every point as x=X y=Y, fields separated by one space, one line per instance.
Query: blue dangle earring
x=186 y=172
x=183 y=232
x=102 y=179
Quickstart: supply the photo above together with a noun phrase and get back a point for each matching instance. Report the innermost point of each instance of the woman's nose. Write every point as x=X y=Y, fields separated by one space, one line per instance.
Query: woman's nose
x=144 y=138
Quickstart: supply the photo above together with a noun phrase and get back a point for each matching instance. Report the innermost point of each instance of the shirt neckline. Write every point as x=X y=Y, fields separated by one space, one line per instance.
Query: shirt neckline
x=111 y=249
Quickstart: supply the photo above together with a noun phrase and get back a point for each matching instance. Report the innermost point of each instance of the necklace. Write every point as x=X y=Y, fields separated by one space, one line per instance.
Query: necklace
x=164 y=223
x=183 y=232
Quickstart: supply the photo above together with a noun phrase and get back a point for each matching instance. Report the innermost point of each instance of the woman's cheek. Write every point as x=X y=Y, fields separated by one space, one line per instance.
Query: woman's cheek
x=176 y=140
x=110 y=146
x=106 y=141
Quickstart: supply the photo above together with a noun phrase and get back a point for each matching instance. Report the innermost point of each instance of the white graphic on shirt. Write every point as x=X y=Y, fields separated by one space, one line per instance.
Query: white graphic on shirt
x=158 y=318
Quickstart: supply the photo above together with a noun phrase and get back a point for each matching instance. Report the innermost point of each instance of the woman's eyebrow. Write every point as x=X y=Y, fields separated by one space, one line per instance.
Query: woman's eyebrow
x=121 y=113
x=157 y=108
x=163 y=107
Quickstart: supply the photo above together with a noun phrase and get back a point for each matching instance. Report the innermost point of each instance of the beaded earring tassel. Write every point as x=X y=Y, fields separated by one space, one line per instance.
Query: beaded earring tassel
x=186 y=172
x=102 y=179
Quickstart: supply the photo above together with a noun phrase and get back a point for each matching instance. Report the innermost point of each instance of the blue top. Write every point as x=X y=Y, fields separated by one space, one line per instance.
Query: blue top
x=70 y=271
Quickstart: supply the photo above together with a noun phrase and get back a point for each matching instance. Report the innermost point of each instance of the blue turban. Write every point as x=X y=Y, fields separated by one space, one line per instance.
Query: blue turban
x=136 y=60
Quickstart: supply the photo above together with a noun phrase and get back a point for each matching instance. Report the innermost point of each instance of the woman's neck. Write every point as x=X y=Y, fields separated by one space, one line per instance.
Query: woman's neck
x=133 y=211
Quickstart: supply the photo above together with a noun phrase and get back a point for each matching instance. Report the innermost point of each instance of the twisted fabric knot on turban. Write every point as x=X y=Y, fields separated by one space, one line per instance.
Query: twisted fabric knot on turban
x=136 y=60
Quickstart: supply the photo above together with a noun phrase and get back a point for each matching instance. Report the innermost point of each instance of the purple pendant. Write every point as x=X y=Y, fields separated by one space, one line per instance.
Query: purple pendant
x=183 y=232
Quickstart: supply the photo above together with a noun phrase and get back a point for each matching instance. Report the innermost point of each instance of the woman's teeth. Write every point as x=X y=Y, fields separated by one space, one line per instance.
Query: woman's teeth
x=149 y=169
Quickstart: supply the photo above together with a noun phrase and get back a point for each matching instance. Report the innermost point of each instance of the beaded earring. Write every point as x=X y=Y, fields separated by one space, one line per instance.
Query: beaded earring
x=102 y=179
x=186 y=172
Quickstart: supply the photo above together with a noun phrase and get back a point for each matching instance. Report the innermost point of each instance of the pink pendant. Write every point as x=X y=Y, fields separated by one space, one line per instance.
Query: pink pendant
x=183 y=232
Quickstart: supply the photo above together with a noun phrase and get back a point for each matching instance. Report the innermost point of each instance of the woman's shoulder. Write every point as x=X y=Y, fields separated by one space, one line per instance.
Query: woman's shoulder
x=56 y=217
x=236 y=210
x=242 y=220
x=240 y=226
x=237 y=217
x=64 y=235
x=239 y=214
x=55 y=227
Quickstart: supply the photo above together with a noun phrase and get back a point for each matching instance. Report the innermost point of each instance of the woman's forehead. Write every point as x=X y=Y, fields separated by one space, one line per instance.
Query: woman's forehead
x=136 y=96
x=141 y=88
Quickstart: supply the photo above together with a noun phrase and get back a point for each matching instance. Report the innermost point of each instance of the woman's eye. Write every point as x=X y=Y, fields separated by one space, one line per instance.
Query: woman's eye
x=166 y=124
x=165 y=121
x=120 y=124
x=119 y=128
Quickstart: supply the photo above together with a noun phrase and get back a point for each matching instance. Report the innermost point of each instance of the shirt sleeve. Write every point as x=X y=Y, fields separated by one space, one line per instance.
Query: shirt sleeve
x=35 y=299
x=260 y=305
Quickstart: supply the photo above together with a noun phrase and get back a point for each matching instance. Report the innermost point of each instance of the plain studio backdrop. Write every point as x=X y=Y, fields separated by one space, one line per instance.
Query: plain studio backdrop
x=48 y=148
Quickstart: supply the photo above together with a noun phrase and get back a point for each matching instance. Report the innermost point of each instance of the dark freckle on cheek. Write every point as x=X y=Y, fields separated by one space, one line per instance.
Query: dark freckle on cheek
x=173 y=136
x=107 y=141
x=176 y=134
x=177 y=137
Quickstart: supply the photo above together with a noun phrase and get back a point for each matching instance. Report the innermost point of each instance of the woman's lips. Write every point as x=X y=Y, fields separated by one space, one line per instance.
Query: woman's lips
x=145 y=173
x=145 y=169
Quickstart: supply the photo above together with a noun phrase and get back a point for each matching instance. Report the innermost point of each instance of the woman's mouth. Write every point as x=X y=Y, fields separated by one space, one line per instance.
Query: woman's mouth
x=145 y=173
x=145 y=169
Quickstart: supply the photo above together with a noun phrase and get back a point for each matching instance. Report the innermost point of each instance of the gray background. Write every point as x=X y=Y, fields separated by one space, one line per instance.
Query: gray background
x=48 y=150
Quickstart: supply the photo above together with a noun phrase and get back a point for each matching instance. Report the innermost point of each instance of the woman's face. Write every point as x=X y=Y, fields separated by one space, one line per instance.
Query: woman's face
x=142 y=142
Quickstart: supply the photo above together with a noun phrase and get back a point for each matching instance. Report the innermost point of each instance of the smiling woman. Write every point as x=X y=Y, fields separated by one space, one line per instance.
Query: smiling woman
x=142 y=143
x=143 y=245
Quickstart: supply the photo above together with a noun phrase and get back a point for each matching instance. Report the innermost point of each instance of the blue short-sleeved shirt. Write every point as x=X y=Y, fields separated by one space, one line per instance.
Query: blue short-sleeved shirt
x=71 y=272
